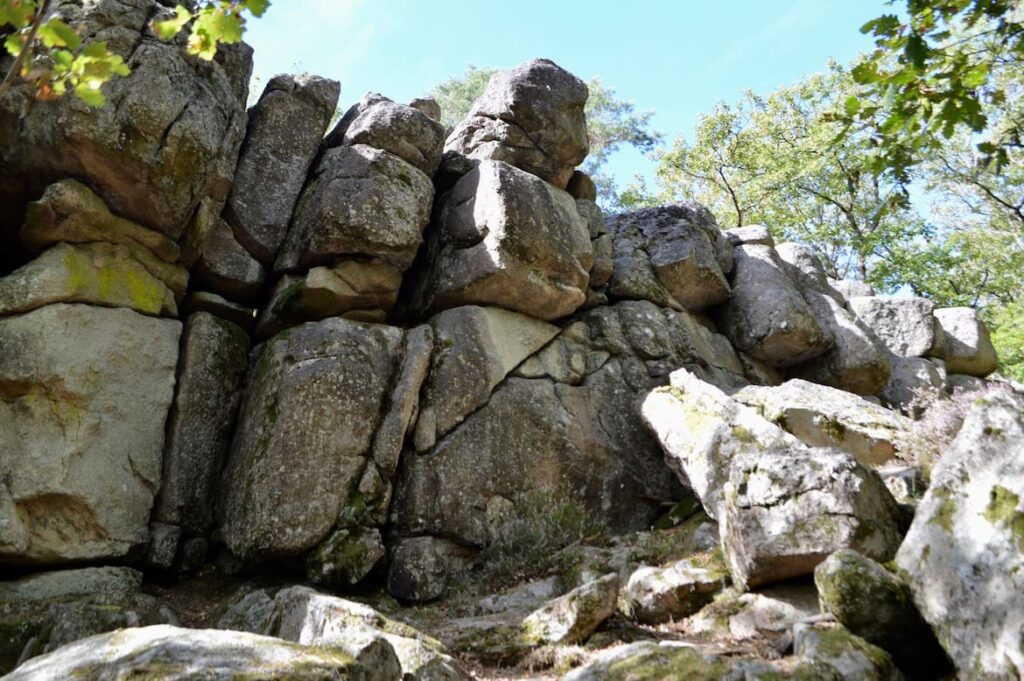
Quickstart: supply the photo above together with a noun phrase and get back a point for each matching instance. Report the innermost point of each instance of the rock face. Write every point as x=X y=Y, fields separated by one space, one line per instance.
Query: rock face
x=313 y=400
x=176 y=653
x=767 y=317
x=782 y=507
x=213 y=360
x=167 y=137
x=531 y=117
x=672 y=255
x=825 y=417
x=82 y=430
x=971 y=517
x=502 y=237
x=285 y=128
x=968 y=346
x=656 y=595
x=905 y=325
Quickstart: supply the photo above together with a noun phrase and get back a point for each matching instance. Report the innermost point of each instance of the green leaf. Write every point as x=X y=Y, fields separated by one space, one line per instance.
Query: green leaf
x=91 y=96
x=165 y=30
x=851 y=105
x=17 y=14
x=55 y=33
x=257 y=7
x=12 y=44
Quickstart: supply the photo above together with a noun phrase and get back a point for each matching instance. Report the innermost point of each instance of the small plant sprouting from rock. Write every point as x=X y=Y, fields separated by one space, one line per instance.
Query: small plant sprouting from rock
x=528 y=536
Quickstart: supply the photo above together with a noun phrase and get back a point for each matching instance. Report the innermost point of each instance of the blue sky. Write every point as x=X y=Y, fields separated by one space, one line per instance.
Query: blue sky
x=677 y=58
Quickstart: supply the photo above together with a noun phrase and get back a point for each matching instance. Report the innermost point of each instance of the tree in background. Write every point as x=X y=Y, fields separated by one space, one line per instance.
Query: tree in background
x=53 y=58
x=611 y=123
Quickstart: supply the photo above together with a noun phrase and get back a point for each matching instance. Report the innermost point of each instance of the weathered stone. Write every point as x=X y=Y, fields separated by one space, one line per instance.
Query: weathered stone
x=312 y=402
x=284 y=133
x=43 y=612
x=218 y=306
x=167 y=136
x=968 y=346
x=70 y=212
x=214 y=357
x=82 y=430
x=573 y=617
x=530 y=117
x=805 y=267
x=972 y=518
x=856 y=363
x=502 y=237
x=750 y=234
x=914 y=385
x=787 y=510
x=345 y=557
x=423 y=567
x=95 y=273
x=852 y=658
x=236 y=60
x=581 y=186
x=656 y=595
x=474 y=349
x=907 y=483
x=673 y=255
x=403 y=406
x=600 y=242
x=904 y=325
x=825 y=417
x=364 y=291
x=176 y=653
x=225 y=267
x=767 y=317
x=359 y=201
x=405 y=131
x=672 y=661
x=765 y=614
x=850 y=288
x=427 y=106
x=877 y=606
x=759 y=373
x=163 y=545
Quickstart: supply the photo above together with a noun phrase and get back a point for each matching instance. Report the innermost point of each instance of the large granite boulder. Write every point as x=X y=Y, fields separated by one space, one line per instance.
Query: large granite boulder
x=404 y=131
x=655 y=595
x=43 y=612
x=85 y=395
x=968 y=346
x=825 y=417
x=219 y=263
x=313 y=399
x=168 y=135
x=531 y=117
x=284 y=133
x=964 y=554
x=214 y=357
x=359 y=201
x=767 y=317
x=503 y=237
x=915 y=383
x=906 y=326
x=672 y=255
x=168 y=652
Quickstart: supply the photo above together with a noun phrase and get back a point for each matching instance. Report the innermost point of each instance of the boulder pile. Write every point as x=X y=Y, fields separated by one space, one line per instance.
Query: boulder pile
x=238 y=341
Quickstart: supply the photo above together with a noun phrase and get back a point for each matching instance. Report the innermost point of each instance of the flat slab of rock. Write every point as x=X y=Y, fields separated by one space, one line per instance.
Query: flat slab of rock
x=905 y=326
x=176 y=653
x=825 y=417
x=313 y=399
x=503 y=237
x=82 y=430
x=968 y=346
x=972 y=518
x=531 y=117
x=284 y=133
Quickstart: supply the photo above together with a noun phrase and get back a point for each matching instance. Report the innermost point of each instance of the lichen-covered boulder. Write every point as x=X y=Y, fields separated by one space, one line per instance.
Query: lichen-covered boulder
x=968 y=346
x=825 y=417
x=43 y=612
x=850 y=288
x=214 y=357
x=850 y=657
x=906 y=326
x=805 y=268
x=172 y=653
x=85 y=393
x=972 y=518
x=422 y=568
x=915 y=383
x=503 y=237
x=648 y=660
x=402 y=130
x=167 y=136
x=767 y=613
x=767 y=317
x=359 y=202
x=656 y=595
x=531 y=117
x=573 y=617
x=221 y=264
x=345 y=557
x=877 y=606
x=673 y=255
x=313 y=399
x=284 y=133
x=97 y=274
